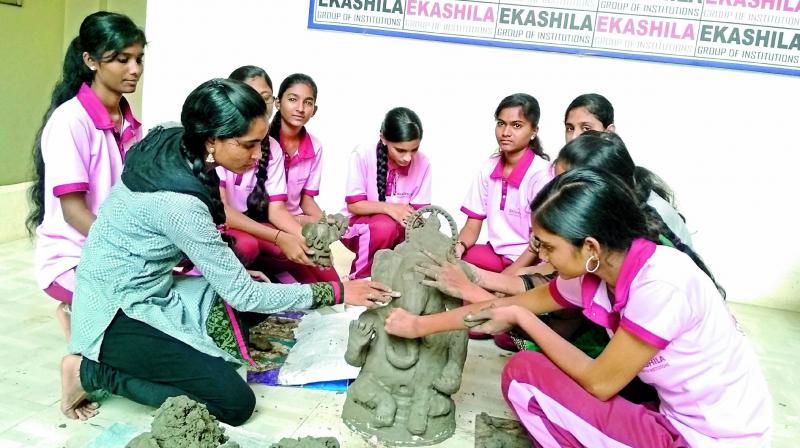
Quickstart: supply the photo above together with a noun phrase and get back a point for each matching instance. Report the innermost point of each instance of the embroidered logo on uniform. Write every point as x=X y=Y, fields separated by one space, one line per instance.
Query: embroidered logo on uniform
x=657 y=363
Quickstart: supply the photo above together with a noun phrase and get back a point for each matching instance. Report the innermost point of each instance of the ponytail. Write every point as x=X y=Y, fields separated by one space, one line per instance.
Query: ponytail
x=645 y=181
x=657 y=228
x=536 y=147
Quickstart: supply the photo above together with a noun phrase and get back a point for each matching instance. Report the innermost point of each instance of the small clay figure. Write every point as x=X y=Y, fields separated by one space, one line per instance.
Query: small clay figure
x=321 y=234
x=402 y=394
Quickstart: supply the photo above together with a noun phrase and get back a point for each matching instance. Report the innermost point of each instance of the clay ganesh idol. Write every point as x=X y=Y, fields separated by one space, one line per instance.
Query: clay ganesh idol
x=402 y=394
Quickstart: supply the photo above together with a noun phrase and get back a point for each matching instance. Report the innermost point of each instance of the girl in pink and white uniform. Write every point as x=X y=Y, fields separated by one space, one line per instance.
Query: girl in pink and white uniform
x=385 y=184
x=504 y=188
x=663 y=310
x=268 y=235
x=302 y=155
x=80 y=148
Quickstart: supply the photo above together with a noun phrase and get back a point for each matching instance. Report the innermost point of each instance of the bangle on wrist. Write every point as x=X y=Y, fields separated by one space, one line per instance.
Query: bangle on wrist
x=275 y=241
x=463 y=244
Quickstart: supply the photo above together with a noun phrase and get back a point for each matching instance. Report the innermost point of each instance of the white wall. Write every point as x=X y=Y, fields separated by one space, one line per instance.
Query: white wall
x=724 y=140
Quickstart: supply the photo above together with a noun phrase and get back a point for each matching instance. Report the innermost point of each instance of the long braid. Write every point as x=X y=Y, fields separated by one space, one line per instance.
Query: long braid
x=210 y=179
x=382 y=169
x=656 y=227
x=275 y=127
x=258 y=199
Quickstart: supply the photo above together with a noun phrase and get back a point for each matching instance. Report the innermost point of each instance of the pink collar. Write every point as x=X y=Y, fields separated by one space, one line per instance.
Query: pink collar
x=518 y=172
x=305 y=150
x=640 y=251
x=403 y=170
x=98 y=113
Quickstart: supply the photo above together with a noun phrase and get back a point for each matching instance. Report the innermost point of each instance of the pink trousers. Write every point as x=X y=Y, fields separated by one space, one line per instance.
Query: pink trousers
x=367 y=235
x=268 y=257
x=558 y=412
x=484 y=257
x=62 y=287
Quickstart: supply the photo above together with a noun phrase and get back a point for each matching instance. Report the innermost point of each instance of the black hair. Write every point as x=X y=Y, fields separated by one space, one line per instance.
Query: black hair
x=258 y=199
x=532 y=113
x=607 y=151
x=400 y=124
x=100 y=33
x=296 y=78
x=246 y=72
x=596 y=104
x=590 y=202
x=219 y=108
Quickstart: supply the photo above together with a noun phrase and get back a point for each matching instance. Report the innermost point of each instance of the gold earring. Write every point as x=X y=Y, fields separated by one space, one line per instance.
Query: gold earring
x=210 y=157
x=593 y=259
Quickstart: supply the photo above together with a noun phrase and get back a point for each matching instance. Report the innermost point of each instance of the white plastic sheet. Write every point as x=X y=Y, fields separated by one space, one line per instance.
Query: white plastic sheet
x=318 y=354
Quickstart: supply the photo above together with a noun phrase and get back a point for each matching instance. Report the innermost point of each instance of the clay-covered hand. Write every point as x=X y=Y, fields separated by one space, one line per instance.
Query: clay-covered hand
x=294 y=248
x=458 y=250
x=447 y=278
x=361 y=333
x=401 y=323
x=399 y=212
x=368 y=293
x=258 y=276
x=494 y=319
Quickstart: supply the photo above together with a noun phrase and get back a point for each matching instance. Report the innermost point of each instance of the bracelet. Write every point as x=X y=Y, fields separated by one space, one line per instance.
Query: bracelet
x=463 y=244
x=275 y=241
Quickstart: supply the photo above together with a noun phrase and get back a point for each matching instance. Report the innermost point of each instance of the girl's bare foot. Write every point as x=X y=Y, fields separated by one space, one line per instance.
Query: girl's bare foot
x=63 y=318
x=73 y=398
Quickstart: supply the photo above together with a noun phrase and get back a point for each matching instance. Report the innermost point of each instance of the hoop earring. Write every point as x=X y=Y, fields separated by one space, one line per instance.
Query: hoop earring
x=210 y=157
x=596 y=266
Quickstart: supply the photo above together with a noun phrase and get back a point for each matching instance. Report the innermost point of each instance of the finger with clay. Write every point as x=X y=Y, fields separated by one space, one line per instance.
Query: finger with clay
x=492 y=319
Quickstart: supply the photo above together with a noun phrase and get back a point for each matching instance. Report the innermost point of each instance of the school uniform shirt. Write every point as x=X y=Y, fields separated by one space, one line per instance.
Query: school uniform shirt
x=410 y=184
x=82 y=153
x=303 y=172
x=671 y=218
x=239 y=186
x=706 y=373
x=505 y=203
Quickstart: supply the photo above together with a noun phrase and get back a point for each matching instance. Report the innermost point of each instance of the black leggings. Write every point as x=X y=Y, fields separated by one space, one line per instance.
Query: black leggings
x=147 y=366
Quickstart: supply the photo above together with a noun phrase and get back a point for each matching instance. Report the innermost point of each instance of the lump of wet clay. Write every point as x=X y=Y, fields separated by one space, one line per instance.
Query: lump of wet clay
x=183 y=423
x=307 y=442
x=496 y=432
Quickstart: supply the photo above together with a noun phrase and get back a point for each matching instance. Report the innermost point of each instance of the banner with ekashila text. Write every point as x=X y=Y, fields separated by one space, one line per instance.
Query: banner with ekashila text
x=758 y=35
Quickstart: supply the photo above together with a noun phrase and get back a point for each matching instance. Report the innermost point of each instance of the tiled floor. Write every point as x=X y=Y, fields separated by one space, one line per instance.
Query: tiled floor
x=31 y=346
